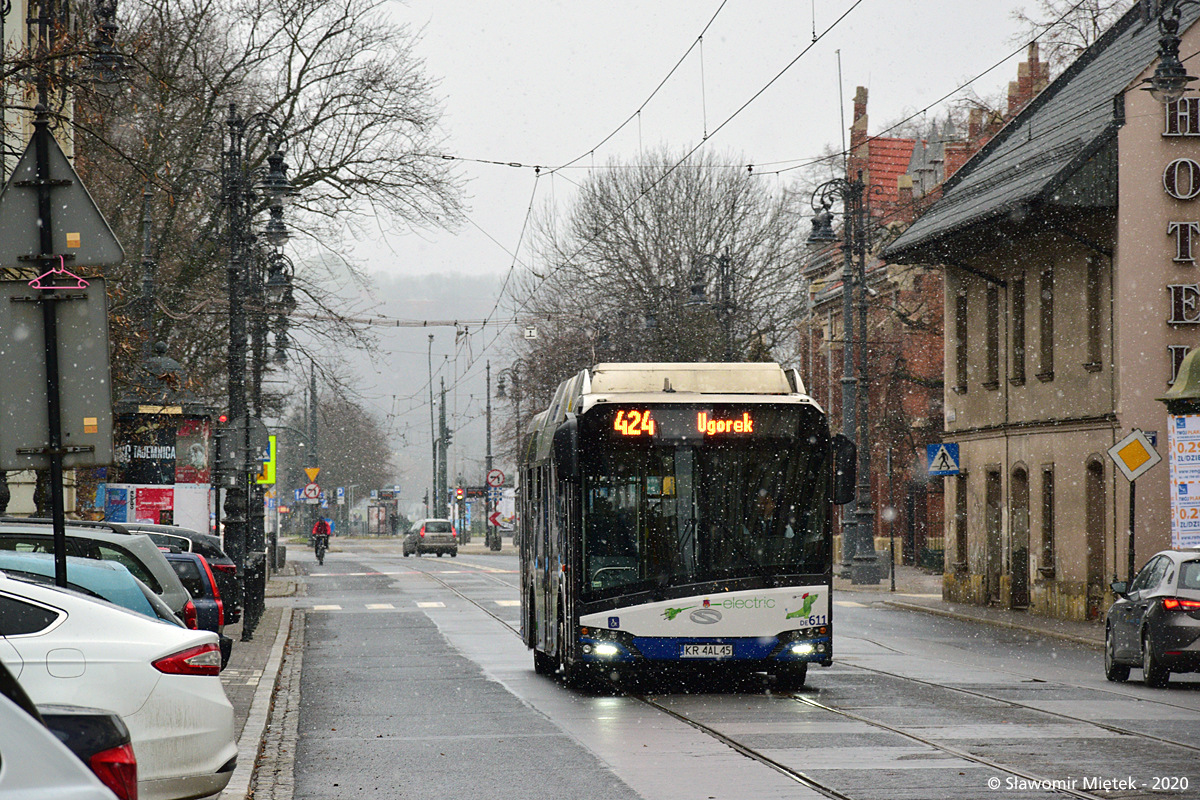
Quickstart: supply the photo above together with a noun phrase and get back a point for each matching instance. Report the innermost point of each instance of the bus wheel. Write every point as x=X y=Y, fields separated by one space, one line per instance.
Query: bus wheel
x=791 y=677
x=543 y=664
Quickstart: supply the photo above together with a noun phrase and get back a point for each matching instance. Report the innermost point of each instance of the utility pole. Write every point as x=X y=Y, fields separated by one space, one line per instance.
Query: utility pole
x=441 y=495
x=433 y=438
x=489 y=533
x=313 y=459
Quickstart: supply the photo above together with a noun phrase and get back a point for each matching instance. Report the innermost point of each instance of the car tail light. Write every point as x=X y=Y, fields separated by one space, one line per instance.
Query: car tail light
x=453 y=533
x=230 y=568
x=220 y=611
x=189 y=615
x=422 y=531
x=202 y=660
x=117 y=769
x=1180 y=604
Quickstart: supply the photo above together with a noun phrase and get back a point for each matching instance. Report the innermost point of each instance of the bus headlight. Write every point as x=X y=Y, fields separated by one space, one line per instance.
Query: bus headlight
x=803 y=648
x=606 y=650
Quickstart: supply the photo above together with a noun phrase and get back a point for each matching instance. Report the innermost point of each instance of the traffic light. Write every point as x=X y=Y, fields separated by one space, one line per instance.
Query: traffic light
x=458 y=493
x=447 y=436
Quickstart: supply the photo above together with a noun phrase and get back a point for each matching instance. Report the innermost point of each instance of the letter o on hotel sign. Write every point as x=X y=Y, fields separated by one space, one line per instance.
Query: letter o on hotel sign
x=1181 y=179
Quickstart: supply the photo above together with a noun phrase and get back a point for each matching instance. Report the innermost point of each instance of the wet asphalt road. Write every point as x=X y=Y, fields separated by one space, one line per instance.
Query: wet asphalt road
x=413 y=689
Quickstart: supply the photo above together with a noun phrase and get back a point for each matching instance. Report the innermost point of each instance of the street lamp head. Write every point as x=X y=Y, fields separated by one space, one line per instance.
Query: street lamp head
x=822 y=229
x=1170 y=79
x=699 y=288
x=279 y=282
x=274 y=185
x=276 y=232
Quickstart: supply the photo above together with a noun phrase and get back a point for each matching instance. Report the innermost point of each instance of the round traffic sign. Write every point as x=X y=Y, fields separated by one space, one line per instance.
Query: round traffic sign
x=312 y=492
x=495 y=478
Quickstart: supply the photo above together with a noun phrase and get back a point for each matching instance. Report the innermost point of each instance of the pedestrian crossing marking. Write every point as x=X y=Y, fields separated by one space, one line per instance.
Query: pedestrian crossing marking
x=327 y=608
x=508 y=602
x=380 y=605
x=849 y=604
x=431 y=605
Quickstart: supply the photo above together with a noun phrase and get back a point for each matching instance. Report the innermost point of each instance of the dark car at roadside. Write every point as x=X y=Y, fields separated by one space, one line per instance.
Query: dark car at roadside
x=207 y=545
x=197 y=577
x=1155 y=622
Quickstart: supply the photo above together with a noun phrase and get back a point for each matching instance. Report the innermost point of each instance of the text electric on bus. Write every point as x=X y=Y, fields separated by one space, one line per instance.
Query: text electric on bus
x=678 y=517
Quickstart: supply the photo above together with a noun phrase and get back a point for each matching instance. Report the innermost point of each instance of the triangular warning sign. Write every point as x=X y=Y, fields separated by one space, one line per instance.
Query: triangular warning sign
x=942 y=462
x=312 y=473
x=77 y=226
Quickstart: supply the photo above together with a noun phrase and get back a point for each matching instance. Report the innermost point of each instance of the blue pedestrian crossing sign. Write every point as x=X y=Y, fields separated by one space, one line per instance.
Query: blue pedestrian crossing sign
x=943 y=458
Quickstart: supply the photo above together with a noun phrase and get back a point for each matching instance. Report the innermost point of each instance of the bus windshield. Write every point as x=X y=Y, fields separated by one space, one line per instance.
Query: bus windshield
x=669 y=509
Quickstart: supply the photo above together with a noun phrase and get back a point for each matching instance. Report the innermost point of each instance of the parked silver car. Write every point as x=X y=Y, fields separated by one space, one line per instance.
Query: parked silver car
x=137 y=552
x=431 y=536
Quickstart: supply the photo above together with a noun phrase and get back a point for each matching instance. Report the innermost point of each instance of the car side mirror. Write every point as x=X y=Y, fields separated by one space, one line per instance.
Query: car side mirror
x=845 y=469
x=1118 y=588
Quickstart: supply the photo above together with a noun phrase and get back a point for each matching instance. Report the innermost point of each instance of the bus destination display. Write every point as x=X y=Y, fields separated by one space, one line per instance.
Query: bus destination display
x=701 y=423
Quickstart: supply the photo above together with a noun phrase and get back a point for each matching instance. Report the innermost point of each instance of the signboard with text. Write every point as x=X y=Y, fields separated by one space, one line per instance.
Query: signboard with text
x=1184 y=445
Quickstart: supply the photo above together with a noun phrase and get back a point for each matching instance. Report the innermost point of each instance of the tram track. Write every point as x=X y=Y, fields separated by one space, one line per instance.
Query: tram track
x=824 y=788
x=1028 y=707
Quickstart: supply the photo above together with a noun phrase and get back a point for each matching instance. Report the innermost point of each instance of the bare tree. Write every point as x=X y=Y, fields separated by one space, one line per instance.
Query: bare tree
x=360 y=122
x=633 y=271
x=1065 y=28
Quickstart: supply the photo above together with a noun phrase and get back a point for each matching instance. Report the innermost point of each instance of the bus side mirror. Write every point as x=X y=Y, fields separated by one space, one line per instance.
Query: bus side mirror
x=566 y=449
x=845 y=469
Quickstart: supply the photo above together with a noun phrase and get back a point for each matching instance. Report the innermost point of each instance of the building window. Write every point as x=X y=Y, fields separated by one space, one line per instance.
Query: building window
x=960 y=524
x=1046 y=302
x=960 y=342
x=1095 y=328
x=1018 y=332
x=1047 y=566
x=993 y=337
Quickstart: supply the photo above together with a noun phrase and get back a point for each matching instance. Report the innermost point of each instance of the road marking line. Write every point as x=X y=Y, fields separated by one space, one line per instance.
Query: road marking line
x=380 y=605
x=431 y=605
x=326 y=608
x=849 y=604
x=508 y=602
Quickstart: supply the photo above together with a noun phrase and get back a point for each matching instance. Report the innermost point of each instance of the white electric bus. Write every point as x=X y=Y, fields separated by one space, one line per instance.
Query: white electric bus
x=679 y=517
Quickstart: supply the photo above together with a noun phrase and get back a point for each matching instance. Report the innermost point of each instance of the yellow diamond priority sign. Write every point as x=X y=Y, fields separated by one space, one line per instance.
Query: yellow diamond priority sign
x=1134 y=455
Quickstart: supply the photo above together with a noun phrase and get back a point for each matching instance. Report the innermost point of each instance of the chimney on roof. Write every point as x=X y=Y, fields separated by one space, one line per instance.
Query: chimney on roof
x=903 y=211
x=1032 y=77
x=974 y=124
x=860 y=149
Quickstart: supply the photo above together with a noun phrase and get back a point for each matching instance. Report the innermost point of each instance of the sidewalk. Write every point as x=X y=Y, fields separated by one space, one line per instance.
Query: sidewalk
x=919 y=590
x=251 y=676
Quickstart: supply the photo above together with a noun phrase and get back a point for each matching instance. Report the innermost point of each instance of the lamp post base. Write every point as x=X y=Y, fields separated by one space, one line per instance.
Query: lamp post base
x=864 y=570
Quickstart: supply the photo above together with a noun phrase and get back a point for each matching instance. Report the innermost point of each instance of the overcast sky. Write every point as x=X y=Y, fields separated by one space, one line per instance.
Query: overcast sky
x=547 y=84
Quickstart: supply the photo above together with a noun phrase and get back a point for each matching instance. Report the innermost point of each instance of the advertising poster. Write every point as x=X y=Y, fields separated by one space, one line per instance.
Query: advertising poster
x=1184 y=446
x=145 y=452
x=116 y=504
x=155 y=504
x=193 y=444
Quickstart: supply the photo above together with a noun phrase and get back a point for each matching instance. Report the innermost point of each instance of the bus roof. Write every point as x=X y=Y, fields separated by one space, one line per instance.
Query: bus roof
x=693 y=378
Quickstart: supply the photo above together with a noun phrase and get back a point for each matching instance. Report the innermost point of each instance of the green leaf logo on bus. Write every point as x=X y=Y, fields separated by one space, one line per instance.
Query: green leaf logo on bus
x=803 y=611
x=671 y=613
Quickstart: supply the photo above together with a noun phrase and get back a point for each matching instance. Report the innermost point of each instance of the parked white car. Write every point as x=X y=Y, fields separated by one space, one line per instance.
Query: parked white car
x=65 y=647
x=36 y=765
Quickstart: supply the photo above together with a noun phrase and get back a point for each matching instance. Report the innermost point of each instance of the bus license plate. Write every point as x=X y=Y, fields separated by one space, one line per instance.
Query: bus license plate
x=707 y=651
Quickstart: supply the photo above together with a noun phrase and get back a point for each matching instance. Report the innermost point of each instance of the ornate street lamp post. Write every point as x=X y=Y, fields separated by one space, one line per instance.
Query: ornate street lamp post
x=244 y=527
x=858 y=541
x=1170 y=79
x=726 y=302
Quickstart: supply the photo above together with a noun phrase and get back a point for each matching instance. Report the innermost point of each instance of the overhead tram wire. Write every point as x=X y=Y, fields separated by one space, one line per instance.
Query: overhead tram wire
x=500 y=330
x=816 y=38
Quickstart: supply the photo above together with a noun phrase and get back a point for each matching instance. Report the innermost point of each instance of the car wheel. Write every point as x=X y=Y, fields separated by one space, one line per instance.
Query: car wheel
x=405 y=553
x=1153 y=673
x=1115 y=672
x=454 y=553
x=439 y=554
